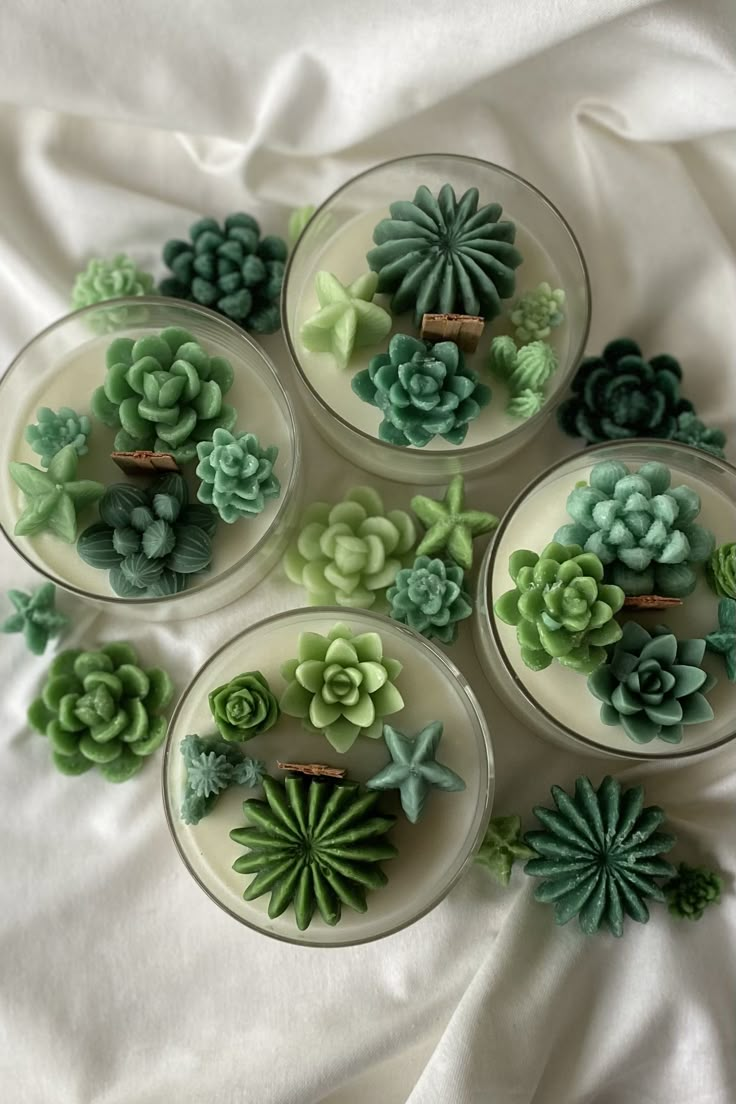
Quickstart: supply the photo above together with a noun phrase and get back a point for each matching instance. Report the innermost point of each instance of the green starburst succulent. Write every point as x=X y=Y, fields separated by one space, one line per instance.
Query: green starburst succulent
x=315 y=845
x=720 y=570
x=561 y=608
x=692 y=890
x=53 y=498
x=55 y=430
x=342 y=685
x=36 y=617
x=430 y=597
x=450 y=527
x=237 y=474
x=599 y=855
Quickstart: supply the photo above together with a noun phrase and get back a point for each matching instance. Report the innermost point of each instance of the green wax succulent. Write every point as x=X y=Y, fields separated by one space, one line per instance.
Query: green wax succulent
x=422 y=390
x=721 y=570
x=350 y=553
x=561 y=608
x=525 y=371
x=298 y=220
x=444 y=255
x=537 y=313
x=36 y=617
x=164 y=393
x=642 y=529
x=691 y=431
x=237 y=474
x=54 y=497
x=244 y=707
x=653 y=684
x=150 y=540
x=55 y=430
x=112 y=278
x=101 y=708
x=342 y=685
x=430 y=598
x=692 y=890
x=722 y=640
x=211 y=766
x=450 y=527
x=599 y=855
x=502 y=846
x=414 y=770
x=230 y=269
x=315 y=845
x=348 y=319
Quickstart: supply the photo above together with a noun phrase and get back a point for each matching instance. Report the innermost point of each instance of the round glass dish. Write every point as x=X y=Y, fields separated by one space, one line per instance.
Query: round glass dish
x=555 y=703
x=337 y=239
x=432 y=854
x=64 y=364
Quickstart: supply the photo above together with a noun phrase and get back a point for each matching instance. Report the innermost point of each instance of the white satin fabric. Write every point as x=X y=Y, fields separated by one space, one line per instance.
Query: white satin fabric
x=121 y=983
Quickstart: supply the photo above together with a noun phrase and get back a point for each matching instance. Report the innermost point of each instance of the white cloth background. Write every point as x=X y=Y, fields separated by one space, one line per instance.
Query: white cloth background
x=121 y=122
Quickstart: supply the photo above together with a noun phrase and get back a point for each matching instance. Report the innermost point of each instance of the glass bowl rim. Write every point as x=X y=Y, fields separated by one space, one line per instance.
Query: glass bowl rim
x=487 y=620
x=123 y=301
x=460 y=451
x=451 y=670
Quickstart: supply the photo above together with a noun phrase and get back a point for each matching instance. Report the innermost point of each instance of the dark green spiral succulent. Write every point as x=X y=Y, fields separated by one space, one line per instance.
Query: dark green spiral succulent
x=445 y=255
x=599 y=855
x=151 y=541
x=314 y=844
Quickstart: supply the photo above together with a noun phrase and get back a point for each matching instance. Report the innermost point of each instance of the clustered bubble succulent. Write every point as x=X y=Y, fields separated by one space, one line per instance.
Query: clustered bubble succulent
x=55 y=430
x=211 y=766
x=105 y=279
x=525 y=371
x=430 y=597
x=244 y=707
x=237 y=474
x=537 y=313
x=561 y=607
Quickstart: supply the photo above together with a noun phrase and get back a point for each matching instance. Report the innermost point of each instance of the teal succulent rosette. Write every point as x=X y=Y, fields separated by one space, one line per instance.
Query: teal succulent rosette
x=237 y=474
x=430 y=597
x=55 y=430
x=244 y=707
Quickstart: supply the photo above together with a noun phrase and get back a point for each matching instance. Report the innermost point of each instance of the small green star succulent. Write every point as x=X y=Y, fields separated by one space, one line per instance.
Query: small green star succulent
x=414 y=770
x=502 y=846
x=537 y=313
x=244 y=707
x=720 y=570
x=691 y=891
x=722 y=640
x=430 y=598
x=237 y=474
x=36 y=617
x=55 y=430
x=348 y=319
x=54 y=497
x=450 y=527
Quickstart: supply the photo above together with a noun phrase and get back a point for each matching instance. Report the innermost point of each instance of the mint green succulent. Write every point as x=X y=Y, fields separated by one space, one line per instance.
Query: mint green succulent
x=720 y=570
x=450 y=527
x=36 y=617
x=110 y=279
x=525 y=371
x=561 y=608
x=430 y=597
x=642 y=529
x=537 y=313
x=237 y=474
x=53 y=498
x=350 y=553
x=341 y=685
x=164 y=393
x=298 y=219
x=55 y=430
x=722 y=640
x=347 y=320
x=502 y=846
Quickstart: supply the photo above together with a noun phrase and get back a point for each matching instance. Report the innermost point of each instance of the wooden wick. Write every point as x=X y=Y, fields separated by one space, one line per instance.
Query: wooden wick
x=144 y=462
x=317 y=770
x=464 y=329
x=650 y=602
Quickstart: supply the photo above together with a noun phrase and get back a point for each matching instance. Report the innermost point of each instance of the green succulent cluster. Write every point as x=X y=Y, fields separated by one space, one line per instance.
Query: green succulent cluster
x=537 y=313
x=721 y=570
x=105 y=279
x=211 y=766
x=244 y=707
x=101 y=708
x=55 y=430
x=164 y=393
x=237 y=474
x=692 y=890
x=430 y=597
x=691 y=431
x=561 y=608
x=525 y=371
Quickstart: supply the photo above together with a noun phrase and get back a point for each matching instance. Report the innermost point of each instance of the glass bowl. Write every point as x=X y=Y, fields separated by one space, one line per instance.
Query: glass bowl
x=337 y=239
x=48 y=371
x=432 y=853
x=555 y=703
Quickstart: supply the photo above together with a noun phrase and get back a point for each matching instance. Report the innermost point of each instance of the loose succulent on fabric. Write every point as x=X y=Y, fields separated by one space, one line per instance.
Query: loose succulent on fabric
x=414 y=770
x=244 y=707
x=237 y=474
x=691 y=431
x=502 y=846
x=525 y=371
x=537 y=313
x=642 y=530
x=450 y=527
x=445 y=256
x=350 y=553
x=691 y=891
x=599 y=855
x=722 y=640
x=348 y=319
x=423 y=391
x=105 y=279
x=101 y=708
x=315 y=845
x=36 y=617
x=619 y=395
x=561 y=608
x=298 y=220
x=230 y=269
x=150 y=540
x=211 y=766
x=720 y=570
x=53 y=498
x=164 y=393
x=653 y=684
x=430 y=597
x=55 y=430
x=341 y=685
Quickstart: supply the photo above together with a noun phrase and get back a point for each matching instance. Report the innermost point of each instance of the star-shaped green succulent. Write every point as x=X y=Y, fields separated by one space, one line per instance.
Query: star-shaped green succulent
x=35 y=616
x=502 y=845
x=414 y=770
x=348 y=319
x=53 y=497
x=723 y=639
x=450 y=527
